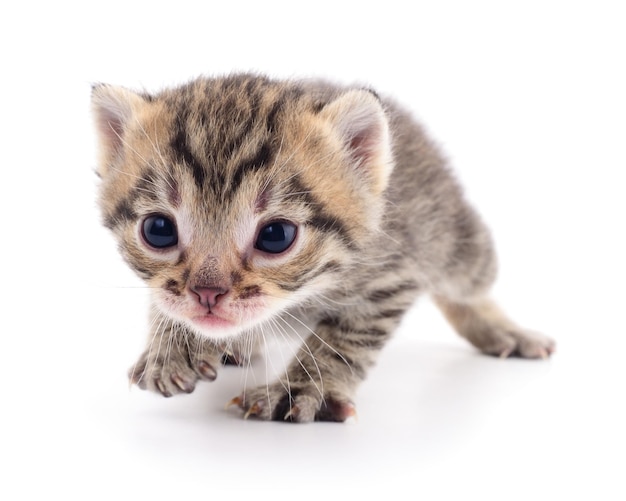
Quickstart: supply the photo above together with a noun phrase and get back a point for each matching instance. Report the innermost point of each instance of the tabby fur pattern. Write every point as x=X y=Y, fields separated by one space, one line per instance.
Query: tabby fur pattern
x=249 y=204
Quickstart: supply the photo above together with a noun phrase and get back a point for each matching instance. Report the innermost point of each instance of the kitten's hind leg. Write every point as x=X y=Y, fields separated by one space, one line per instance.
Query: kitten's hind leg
x=483 y=324
x=462 y=294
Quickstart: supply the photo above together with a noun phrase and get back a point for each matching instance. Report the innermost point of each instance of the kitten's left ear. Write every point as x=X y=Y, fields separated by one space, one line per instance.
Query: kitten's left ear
x=114 y=109
x=358 y=118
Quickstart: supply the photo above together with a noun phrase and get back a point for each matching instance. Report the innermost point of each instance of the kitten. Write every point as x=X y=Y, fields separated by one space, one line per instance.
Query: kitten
x=246 y=203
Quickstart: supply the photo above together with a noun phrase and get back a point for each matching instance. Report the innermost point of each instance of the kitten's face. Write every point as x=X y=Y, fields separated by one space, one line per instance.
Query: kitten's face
x=236 y=199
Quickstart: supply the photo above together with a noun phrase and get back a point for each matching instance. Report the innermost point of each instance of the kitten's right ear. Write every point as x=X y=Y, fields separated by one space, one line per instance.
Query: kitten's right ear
x=358 y=120
x=114 y=108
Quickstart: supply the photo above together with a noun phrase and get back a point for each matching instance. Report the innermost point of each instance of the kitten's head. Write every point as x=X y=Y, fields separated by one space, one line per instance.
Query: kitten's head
x=237 y=198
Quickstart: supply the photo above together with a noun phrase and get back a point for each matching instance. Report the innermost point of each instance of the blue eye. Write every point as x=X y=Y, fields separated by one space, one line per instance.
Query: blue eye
x=276 y=237
x=159 y=232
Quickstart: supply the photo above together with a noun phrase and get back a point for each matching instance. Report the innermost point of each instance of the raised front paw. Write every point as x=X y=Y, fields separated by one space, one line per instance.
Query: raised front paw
x=173 y=371
x=301 y=404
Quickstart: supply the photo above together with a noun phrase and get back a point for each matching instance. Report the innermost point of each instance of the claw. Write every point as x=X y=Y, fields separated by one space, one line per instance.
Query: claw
x=232 y=356
x=238 y=401
x=254 y=410
x=506 y=353
x=185 y=386
x=207 y=371
x=135 y=376
x=162 y=388
x=349 y=411
x=292 y=415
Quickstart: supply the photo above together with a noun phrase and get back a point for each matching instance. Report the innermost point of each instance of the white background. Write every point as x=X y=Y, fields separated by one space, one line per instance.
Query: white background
x=527 y=99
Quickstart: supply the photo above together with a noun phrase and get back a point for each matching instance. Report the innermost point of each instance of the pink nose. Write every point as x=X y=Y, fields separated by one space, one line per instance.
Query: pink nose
x=208 y=296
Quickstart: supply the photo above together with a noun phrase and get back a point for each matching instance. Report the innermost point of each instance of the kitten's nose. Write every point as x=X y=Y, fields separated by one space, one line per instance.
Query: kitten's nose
x=208 y=296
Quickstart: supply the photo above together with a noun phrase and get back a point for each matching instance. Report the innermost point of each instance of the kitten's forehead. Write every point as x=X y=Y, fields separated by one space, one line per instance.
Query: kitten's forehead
x=224 y=131
x=241 y=147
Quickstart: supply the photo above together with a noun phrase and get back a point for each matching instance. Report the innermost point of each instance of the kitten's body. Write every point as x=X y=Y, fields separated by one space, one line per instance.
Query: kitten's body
x=270 y=200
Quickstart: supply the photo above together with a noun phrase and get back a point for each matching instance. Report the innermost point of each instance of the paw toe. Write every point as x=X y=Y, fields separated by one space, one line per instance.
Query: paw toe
x=186 y=385
x=533 y=345
x=256 y=409
x=296 y=405
x=255 y=406
x=162 y=387
x=336 y=410
x=518 y=343
x=206 y=370
x=301 y=409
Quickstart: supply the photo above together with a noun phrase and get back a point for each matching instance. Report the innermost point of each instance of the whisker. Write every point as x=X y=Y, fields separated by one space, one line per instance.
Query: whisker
x=286 y=384
x=311 y=331
x=154 y=329
x=157 y=149
x=313 y=358
x=248 y=370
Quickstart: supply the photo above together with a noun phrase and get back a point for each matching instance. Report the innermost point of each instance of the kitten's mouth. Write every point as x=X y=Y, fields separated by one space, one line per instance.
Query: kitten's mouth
x=211 y=320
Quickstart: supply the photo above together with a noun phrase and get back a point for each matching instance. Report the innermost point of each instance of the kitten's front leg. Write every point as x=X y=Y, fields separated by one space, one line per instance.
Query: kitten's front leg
x=319 y=385
x=174 y=360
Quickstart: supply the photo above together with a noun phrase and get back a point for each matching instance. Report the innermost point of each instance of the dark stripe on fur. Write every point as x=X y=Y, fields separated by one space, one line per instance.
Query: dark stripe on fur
x=290 y=287
x=236 y=142
x=250 y=291
x=370 y=343
x=272 y=115
x=172 y=286
x=390 y=313
x=320 y=219
x=123 y=213
x=185 y=276
x=329 y=267
x=355 y=366
x=330 y=224
x=370 y=338
x=260 y=159
x=372 y=332
x=272 y=119
x=146 y=188
x=145 y=273
x=306 y=277
x=180 y=145
x=299 y=280
x=382 y=294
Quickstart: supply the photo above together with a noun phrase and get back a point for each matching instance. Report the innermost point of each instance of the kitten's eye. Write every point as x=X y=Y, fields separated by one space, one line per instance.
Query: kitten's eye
x=159 y=232
x=276 y=237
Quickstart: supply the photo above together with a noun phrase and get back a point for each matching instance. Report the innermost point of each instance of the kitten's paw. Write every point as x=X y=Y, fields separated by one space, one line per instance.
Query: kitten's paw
x=233 y=356
x=519 y=343
x=304 y=404
x=484 y=325
x=171 y=374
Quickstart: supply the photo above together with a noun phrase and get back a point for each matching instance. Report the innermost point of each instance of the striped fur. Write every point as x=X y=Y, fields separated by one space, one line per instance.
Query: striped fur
x=379 y=218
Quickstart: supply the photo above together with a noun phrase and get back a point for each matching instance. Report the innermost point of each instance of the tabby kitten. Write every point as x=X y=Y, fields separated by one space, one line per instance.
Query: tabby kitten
x=247 y=204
